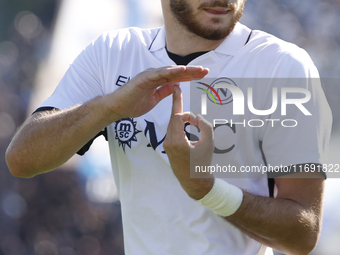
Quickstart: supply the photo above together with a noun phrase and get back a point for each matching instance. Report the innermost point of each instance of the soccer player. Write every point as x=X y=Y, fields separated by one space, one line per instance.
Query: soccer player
x=120 y=86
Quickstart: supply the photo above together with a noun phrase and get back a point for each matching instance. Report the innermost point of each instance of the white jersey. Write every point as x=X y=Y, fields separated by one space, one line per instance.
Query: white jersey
x=158 y=216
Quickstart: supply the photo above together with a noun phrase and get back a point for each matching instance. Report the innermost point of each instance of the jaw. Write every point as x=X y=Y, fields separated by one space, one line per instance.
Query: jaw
x=182 y=40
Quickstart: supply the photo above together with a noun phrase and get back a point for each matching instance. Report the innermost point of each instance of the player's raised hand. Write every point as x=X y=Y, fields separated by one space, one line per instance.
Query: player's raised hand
x=145 y=90
x=185 y=155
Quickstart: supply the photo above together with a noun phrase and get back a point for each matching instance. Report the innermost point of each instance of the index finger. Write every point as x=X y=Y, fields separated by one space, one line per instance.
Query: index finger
x=177 y=101
x=176 y=74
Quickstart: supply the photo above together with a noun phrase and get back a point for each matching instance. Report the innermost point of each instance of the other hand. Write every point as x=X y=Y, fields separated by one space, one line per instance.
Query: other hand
x=148 y=88
x=185 y=155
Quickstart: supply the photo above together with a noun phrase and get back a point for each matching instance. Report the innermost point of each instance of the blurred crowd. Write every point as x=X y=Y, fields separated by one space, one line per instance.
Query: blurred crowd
x=51 y=214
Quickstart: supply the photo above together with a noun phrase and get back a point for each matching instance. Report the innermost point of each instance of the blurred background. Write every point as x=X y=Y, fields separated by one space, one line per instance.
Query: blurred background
x=74 y=210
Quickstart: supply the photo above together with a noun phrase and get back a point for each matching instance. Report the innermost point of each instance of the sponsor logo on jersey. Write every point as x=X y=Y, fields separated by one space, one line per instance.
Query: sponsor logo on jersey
x=121 y=80
x=156 y=141
x=150 y=131
x=126 y=132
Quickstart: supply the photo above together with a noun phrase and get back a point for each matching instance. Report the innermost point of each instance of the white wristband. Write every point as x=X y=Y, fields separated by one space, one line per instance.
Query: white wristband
x=224 y=199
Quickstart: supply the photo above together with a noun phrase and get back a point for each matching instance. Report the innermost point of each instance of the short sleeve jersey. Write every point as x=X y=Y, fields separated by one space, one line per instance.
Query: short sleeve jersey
x=158 y=216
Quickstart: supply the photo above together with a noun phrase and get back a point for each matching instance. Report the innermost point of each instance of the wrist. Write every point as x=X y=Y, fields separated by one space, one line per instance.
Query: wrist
x=111 y=108
x=223 y=199
x=199 y=187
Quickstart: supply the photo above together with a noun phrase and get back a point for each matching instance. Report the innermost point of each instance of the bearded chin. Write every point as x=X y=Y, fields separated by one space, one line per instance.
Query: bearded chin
x=214 y=34
x=183 y=14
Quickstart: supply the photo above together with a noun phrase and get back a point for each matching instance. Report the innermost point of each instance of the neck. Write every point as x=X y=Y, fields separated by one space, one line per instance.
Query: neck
x=184 y=44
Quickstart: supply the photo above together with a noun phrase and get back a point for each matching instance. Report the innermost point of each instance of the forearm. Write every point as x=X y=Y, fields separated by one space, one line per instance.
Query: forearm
x=289 y=223
x=282 y=224
x=47 y=140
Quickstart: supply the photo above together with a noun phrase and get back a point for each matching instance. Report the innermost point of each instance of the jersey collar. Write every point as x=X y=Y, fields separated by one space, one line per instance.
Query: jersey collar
x=235 y=41
x=230 y=46
x=159 y=41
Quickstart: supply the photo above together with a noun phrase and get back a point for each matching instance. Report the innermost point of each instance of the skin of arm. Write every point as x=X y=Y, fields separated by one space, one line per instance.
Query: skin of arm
x=289 y=223
x=47 y=140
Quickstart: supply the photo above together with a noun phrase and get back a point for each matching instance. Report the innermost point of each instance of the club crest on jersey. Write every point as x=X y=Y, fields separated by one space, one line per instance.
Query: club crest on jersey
x=126 y=132
x=219 y=96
